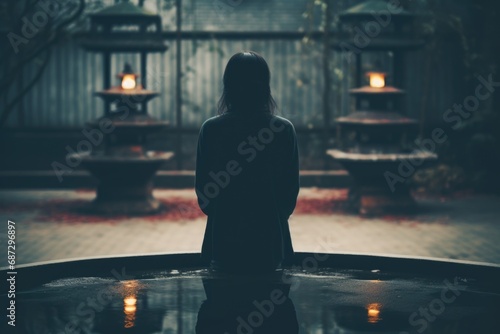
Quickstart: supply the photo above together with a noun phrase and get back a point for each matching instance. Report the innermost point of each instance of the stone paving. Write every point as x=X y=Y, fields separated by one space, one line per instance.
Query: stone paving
x=465 y=228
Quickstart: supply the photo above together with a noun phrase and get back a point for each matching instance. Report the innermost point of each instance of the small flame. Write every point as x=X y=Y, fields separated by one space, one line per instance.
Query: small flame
x=377 y=80
x=128 y=81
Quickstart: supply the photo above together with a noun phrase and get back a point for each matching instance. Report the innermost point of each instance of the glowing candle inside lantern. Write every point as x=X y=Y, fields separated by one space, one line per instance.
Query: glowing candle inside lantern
x=377 y=80
x=128 y=81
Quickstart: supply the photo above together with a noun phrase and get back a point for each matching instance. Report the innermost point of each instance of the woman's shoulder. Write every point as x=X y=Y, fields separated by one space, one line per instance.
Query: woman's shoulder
x=281 y=124
x=281 y=120
x=228 y=119
x=214 y=121
x=214 y=125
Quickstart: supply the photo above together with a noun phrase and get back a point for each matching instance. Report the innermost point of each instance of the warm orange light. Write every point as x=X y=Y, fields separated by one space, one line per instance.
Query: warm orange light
x=130 y=301
x=377 y=80
x=128 y=81
x=129 y=308
x=373 y=312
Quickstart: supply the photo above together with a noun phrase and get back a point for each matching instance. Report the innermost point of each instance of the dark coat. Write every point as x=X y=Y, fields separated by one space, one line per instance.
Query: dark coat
x=247 y=182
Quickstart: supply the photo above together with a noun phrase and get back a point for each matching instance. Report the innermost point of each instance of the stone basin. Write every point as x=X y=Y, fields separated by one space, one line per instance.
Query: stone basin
x=125 y=180
x=321 y=293
x=372 y=193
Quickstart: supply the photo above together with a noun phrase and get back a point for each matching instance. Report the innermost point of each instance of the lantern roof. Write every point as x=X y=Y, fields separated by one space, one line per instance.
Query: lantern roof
x=368 y=8
x=102 y=37
x=401 y=36
x=124 y=9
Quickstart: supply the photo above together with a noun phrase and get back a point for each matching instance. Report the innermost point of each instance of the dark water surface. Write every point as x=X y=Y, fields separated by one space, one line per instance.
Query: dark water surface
x=196 y=301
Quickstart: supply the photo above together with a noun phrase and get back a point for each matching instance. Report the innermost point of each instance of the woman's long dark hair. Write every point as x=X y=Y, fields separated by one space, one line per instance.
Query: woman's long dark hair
x=246 y=85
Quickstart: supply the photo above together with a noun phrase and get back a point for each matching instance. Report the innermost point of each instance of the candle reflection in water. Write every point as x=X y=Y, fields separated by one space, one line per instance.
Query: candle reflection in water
x=130 y=304
x=129 y=309
x=373 y=313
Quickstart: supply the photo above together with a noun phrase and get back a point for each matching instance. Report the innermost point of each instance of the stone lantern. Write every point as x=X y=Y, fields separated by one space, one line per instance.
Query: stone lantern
x=375 y=139
x=124 y=166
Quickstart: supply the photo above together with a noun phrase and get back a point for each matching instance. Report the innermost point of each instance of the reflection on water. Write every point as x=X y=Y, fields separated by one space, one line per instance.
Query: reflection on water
x=198 y=302
x=130 y=303
x=373 y=312
x=129 y=309
x=247 y=305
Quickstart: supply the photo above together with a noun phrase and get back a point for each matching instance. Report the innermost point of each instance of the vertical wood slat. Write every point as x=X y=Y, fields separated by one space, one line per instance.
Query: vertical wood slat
x=178 y=84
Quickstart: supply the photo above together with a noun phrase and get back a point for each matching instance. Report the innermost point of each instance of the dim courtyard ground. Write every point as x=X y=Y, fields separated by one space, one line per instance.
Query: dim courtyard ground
x=53 y=225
